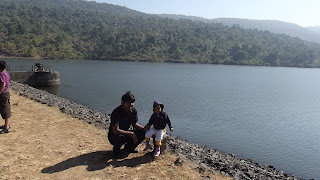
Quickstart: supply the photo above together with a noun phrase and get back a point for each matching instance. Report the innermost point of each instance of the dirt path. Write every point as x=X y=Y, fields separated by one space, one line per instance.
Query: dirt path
x=47 y=144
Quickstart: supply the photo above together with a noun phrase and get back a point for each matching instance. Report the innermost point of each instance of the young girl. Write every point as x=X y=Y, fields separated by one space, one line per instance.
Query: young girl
x=159 y=119
x=4 y=97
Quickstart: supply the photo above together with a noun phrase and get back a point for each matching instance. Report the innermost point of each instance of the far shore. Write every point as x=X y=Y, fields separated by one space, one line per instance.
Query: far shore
x=148 y=61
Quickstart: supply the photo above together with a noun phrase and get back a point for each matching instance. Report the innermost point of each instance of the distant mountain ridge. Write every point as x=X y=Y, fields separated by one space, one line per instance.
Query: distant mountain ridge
x=273 y=26
x=78 y=29
x=311 y=34
x=315 y=29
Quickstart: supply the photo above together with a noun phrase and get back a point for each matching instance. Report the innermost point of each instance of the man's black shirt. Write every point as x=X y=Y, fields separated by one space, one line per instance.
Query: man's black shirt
x=122 y=119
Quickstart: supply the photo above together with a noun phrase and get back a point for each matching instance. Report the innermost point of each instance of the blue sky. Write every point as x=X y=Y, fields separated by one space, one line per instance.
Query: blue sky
x=301 y=12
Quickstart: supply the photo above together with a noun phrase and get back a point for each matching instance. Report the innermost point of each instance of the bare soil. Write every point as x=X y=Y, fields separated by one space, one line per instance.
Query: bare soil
x=47 y=144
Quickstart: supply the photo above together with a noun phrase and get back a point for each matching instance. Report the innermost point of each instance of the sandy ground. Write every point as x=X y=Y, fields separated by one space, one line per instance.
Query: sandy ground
x=47 y=144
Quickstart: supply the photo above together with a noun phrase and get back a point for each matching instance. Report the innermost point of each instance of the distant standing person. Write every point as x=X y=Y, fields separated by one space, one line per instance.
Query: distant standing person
x=4 y=97
x=159 y=119
x=124 y=127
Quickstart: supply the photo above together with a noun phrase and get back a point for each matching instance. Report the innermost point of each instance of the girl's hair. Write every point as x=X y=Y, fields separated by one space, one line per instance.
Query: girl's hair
x=3 y=65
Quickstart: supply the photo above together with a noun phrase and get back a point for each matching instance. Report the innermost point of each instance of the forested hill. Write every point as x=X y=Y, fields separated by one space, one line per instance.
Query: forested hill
x=274 y=26
x=76 y=29
x=311 y=34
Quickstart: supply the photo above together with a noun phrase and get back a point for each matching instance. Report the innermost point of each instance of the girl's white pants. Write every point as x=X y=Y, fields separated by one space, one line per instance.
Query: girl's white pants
x=159 y=134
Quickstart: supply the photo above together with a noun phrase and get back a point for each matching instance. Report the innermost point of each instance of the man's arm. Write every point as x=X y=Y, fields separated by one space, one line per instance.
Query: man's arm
x=150 y=122
x=135 y=123
x=147 y=127
x=138 y=126
x=118 y=131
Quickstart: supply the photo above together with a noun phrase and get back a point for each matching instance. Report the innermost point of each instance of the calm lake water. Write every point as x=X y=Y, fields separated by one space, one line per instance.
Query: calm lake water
x=270 y=115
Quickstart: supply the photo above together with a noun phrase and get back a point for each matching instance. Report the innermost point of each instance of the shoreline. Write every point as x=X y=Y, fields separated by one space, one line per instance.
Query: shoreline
x=148 y=61
x=207 y=158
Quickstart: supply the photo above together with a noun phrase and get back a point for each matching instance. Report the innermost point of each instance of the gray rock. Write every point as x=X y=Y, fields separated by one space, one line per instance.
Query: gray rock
x=178 y=162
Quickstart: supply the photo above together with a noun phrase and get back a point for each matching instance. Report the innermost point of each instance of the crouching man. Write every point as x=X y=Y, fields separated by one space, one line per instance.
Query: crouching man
x=124 y=127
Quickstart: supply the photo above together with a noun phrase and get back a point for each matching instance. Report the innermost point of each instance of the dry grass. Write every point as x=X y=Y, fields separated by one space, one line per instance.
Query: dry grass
x=47 y=144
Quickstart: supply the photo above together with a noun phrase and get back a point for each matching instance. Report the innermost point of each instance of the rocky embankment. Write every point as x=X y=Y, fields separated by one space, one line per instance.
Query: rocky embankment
x=207 y=158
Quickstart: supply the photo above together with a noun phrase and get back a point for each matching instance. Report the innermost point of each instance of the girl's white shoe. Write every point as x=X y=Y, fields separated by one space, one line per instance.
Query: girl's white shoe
x=157 y=153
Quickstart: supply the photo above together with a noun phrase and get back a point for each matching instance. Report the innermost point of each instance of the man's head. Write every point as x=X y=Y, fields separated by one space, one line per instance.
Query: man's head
x=3 y=65
x=127 y=101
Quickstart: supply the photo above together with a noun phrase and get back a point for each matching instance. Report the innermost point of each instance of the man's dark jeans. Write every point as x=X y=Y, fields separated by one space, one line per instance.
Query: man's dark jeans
x=118 y=140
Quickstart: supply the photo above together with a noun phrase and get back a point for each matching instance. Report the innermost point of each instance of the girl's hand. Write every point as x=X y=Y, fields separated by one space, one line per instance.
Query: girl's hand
x=146 y=128
x=171 y=129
